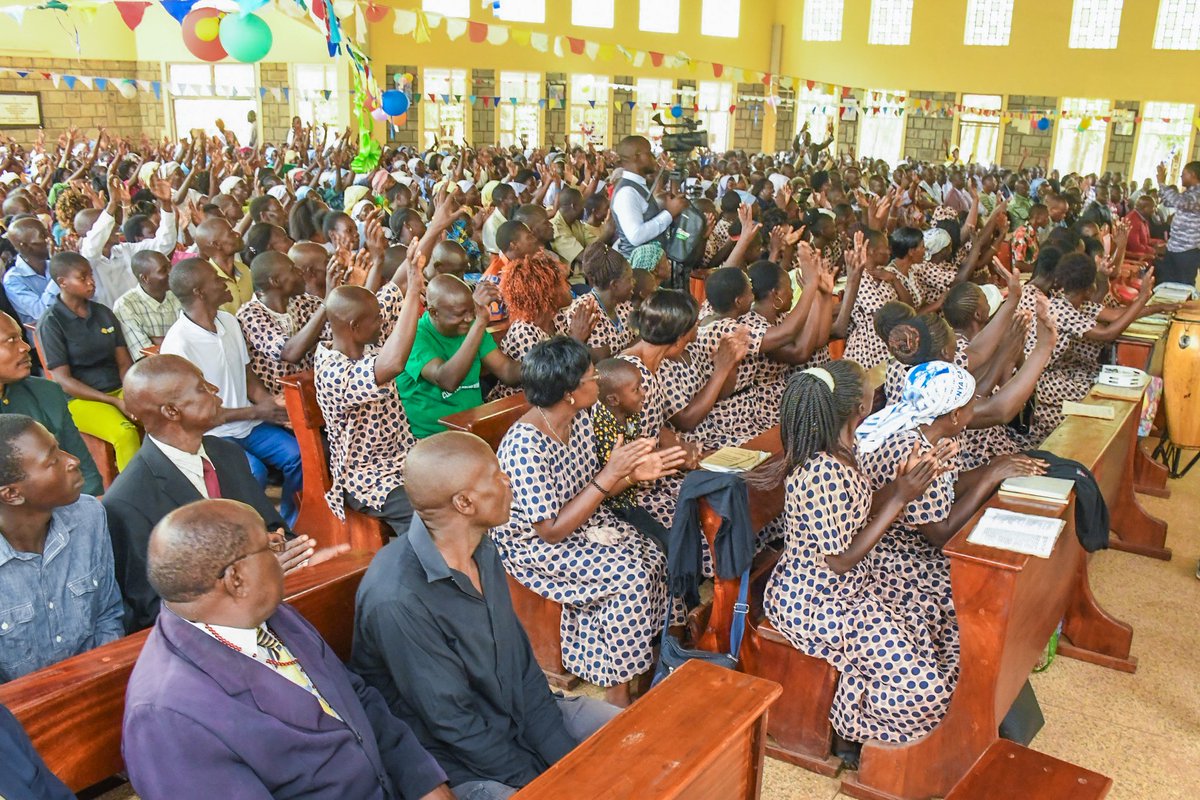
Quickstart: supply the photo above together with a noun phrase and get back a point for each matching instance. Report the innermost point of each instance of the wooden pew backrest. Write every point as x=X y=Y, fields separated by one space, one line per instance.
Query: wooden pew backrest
x=489 y=421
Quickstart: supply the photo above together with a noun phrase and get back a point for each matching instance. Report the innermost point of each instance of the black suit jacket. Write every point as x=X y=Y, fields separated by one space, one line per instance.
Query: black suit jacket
x=149 y=488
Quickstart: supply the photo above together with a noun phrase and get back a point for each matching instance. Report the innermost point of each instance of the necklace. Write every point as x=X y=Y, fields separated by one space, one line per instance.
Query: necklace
x=273 y=662
x=550 y=426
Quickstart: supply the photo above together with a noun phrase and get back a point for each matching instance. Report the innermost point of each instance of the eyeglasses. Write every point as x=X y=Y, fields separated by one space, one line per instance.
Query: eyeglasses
x=274 y=545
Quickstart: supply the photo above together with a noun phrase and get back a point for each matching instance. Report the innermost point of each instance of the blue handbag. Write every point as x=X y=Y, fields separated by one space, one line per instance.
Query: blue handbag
x=672 y=655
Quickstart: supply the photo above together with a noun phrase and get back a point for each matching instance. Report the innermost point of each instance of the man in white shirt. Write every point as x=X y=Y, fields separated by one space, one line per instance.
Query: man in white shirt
x=504 y=202
x=212 y=340
x=112 y=262
x=638 y=216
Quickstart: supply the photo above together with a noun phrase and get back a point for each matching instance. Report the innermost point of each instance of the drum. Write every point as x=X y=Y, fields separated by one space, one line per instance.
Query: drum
x=1181 y=378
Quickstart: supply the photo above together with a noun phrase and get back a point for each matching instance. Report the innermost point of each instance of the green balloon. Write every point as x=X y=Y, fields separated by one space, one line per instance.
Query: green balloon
x=246 y=37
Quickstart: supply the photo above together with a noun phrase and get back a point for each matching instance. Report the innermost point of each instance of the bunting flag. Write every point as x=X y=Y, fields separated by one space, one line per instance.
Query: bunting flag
x=131 y=12
x=180 y=8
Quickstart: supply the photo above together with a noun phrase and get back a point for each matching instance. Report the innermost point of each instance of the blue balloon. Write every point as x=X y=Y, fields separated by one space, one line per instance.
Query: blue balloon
x=1043 y=124
x=395 y=102
x=677 y=111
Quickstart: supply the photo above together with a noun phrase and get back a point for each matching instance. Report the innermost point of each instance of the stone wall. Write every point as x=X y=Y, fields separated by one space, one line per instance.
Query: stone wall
x=622 y=118
x=276 y=116
x=1020 y=134
x=925 y=137
x=785 y=120
x=847 y=129
x=745 y=131
x=1120 y=148
x=483 y=117
x=554 y=120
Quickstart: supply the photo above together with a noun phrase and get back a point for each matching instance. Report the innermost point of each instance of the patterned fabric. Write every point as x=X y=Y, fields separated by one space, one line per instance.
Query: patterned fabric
x=521 y=337
x=931 y=390
x=390 y=298
x=863 y=344
x=718 y=239
x=771 y=376
x=737 y=418
x=909 y=282
x=287 y=665
x=266 y=336
x=1185 y=225
x=1073 y=366
x=460 y=232
x=607 y=429
x=933 y=280
x=143 y=318
x=914 y=574
x=367 y=429
x=611 y=332
x=613 y=596
x=1025 y=244
x=891 y=686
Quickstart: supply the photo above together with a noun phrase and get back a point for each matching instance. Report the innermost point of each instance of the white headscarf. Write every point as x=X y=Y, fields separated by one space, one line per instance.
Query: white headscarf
x=931 y=390
x=279 y=192
x=230 y=182
x=936 y=240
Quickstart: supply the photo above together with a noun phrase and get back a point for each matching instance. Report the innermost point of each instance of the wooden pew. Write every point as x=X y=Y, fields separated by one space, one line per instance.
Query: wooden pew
x=149 y=350
x=315 y=518
x=1007 y=770
x=72 y=710
x=102 y=453
x=540 y=616
x=1150 y=477
x=697 y=735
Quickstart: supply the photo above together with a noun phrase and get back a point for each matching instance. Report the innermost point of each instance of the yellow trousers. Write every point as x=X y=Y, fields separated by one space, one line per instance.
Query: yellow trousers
x=107 y=423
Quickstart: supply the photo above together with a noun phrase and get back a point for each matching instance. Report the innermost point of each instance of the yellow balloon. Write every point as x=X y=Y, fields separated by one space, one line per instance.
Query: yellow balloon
x=208 y=29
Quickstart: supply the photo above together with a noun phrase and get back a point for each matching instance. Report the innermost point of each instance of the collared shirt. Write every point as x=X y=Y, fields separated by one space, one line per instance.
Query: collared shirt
x=29 y=292
x=46 y=402
x=629 y=207
x=114 y=272
x=569 y=239
x=454 y=663
x=1185 y=225
x=222 y=357
x=87 y=345
x=1018 y=210
x=1139 y=243
x=490 y=227
x=62 y=601
x=241 y=285
x=144 y=319
x=190 y=464
x=267 y=333
x=366 y=426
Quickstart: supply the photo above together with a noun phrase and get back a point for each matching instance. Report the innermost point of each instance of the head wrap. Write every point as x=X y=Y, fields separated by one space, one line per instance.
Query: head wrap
x=517 y=187
x=359 y=207
x=466 y=185
x=147 y=172
x=279 y=192
x=936 y=240
x=646 y=256
x=747 y=198
x=9 y=178
x=302 y=191
x=402 y=179
x=412 y=164
x=486 y=194
x=777 y=180
x=931 y=390
x=230 y=182
x=379 y=182
x=995 y=298
x=168 y=169
x=352 y=195
x=55 y=191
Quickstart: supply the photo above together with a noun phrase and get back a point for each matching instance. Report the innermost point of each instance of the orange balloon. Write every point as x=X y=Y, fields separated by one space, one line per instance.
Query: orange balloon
x=400 y=120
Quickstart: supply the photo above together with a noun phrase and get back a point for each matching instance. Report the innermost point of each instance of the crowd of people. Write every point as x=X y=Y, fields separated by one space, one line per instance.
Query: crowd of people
x=157 y=294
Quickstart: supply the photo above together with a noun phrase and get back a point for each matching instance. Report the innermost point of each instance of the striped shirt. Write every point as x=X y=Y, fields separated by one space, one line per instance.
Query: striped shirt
x=1185 y=225
x=143 y=318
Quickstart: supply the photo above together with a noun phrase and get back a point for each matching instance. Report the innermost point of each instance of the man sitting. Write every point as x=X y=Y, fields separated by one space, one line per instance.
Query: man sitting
x=177 y=464
x=571 y=236
x=504 y=202
x=111 y=260
x=436 y=634
x=212 y=340
x=148 y=310
x=221 y=245
x=235 y=694
x=27 y=282
x=451 y=349
x=1140 y=246
x=514 y=241
x=57 y=590
x=45 y=401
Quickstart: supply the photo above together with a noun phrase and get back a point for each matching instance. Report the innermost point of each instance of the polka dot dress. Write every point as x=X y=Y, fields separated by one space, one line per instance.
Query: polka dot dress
x=891 y=686
x=737 y=418
x=914 y=574
x=266 y=336
x=613 y=596
x=616 y=334
x=521 y=337
x=1073 y=365
x=934 y=280
x=863 y=344
x=771 y=376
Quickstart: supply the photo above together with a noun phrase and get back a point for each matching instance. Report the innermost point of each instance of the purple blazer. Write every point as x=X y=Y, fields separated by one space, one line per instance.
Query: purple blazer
x=203 y=721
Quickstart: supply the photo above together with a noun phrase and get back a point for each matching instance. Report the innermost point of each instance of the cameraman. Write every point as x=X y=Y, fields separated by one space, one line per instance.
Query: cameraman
x=638 y=216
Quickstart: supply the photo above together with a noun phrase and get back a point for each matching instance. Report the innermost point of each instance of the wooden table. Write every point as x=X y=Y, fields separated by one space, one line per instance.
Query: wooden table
x=698 y=735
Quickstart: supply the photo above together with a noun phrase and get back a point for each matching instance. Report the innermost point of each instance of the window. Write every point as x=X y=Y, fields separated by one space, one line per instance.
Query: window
x=589 y=106
x=714 y=99
x=1079 y=145
x=720 y=18
x=521 y=10
x=815 y=110
x=978 y=134
x=444 y=122
x=520 y=119
x=659 y=16
x=648 y=92
x=1160 y=141
x=310 y=82
x=230 y=93
x=881 y=135
x=989 y=22
x=822 y=20
x=891 y=22
x=1178 y=26
x=592 y=13
x=1095 y=24
x=449 y=8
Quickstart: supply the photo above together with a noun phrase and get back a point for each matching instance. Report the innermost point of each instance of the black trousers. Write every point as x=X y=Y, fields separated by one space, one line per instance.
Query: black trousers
x=1178 y=267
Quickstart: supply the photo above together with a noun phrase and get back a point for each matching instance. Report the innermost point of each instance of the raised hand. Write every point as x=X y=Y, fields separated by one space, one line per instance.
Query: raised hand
x=584 y=320
x=485 y=294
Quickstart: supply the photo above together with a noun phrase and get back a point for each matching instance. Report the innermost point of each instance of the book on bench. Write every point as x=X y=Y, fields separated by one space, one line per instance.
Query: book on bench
x=1039 y=488
x=734 y=459
x=1017 y=533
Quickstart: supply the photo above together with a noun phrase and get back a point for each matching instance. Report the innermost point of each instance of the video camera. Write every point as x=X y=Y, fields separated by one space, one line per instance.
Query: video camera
x=679 y=145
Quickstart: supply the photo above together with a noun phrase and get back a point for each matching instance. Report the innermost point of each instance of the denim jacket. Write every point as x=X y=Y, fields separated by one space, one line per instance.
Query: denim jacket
x=64 y=601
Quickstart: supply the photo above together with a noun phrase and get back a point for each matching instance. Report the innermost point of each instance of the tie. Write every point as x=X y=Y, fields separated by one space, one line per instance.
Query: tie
x=282 y=661
x=210 y=479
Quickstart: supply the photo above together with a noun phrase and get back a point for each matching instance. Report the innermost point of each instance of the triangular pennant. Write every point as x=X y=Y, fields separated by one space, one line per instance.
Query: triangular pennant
x=606 y=52
x=178 y=8
x=654 y=106
x=718 y=69
x=471 y=99
x=458 y=98
x=539 y=42
x=432 y=97
x=656 y=58
x=486 y=101
x=326 y=93
x=87 y=82
x=592 y=103
x=131 y=12
x=445 y=98
x=286 y=93
x=576 y=45
x=558 y=47
x=495 y=101
x=591 y=49
x=512 y=100
x=421 y=31
x=262 y=92
x=639 y=58
x=69 y=80
x=102 y=83
x=541 y=102
x=405 y=22
x=16 y=12
x=522 y=36
x=277 y=94
x=477 y=32
x=22 y=74
x=631 y=104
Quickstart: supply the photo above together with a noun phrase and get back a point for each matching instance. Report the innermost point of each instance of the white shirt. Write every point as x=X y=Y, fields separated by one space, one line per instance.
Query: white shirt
x=222 y=357
x=190 y=464
x=114 y=273
x=629 y=209
x=490 y=227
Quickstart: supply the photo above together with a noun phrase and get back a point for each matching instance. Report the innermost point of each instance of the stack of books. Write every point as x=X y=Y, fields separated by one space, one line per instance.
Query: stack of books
x=1038 y=488
x=734 y=459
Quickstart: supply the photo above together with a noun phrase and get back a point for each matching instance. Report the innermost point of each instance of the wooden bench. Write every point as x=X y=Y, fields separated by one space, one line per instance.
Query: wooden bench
x=1006 y=770
x=102 y=453
x=315 y=518
x=489 y=421
x=698 y=735
x=73 y=710
x=1150 y=477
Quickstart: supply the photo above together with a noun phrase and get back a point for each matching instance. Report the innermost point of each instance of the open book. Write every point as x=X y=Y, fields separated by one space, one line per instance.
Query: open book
x=1018 y=533
x=734 y=459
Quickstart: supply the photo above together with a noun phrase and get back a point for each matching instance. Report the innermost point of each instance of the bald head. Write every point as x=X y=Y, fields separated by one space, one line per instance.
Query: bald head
x=154 y=382
x=191 y=546
x=267 y=266
x=448 y=258
x=630 y=145
x=25 y=229
x=84 y=221
x=187 y=276
x=210 y=231
x=446 y=289
x=346 y=305
x=442 y=466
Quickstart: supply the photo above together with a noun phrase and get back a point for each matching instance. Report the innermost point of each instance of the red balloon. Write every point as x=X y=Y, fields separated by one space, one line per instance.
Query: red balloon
x=197 y=42
x=374 y=12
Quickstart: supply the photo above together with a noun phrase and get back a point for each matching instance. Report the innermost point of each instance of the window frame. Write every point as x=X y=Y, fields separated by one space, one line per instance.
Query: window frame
x=721 y=26
x=426 y=107
x=984 y=9
x=592 y=5
x=1084 y=28
x=1163 y=24
x=252 y=96
x=961 y=118
x=439 y=7
x=878 y=34
x=602 y=84
x=865 y=118
x=826 y=6
x=539 y=131
x=642 y=126
x=726 y=96
x=643 y=5
x=1056 y=142
x=1174 y=168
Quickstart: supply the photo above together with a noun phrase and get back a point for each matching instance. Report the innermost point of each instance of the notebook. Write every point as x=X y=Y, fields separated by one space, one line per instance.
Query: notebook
x=1038 y=487
x=734 y=459
x=1073 y=409
x=1017 y=533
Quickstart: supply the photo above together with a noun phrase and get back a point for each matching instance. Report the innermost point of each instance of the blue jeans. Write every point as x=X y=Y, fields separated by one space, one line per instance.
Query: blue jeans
x=269 y=445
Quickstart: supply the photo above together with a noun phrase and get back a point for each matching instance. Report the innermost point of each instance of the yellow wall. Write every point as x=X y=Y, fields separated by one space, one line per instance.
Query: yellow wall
x=1037 y=62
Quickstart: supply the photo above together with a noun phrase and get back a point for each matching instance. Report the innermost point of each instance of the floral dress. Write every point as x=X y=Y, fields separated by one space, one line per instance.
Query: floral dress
x=737 y=418
x=914 y=574
x=613 y=596
x=891 y=686
x=1073 y=365
x=863 y=345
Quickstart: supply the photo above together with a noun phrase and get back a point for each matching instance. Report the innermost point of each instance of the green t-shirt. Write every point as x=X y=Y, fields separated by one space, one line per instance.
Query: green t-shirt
x=425 y=403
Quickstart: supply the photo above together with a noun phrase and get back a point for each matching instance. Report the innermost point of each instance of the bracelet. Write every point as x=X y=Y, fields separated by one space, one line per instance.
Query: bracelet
x=599 y=488
x=630 y=481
